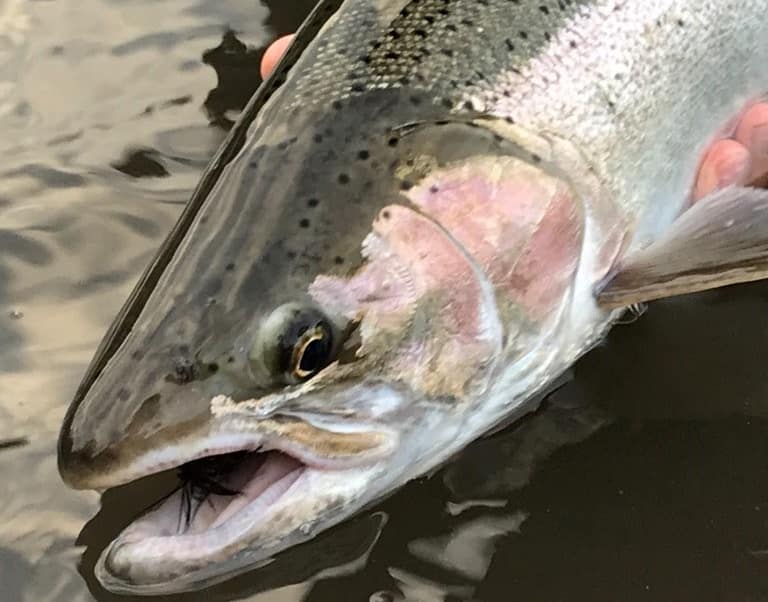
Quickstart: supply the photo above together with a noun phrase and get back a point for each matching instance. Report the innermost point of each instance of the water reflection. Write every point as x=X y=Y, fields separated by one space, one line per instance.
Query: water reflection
x=235 y=65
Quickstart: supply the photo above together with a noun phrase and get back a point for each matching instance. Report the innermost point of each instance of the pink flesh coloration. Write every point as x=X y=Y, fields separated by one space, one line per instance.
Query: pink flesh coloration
x=257 y=473
x=491 y=234
x=275 y=469
x=412 y=272
x=521 y=225
x=436 y=265
x=161 y=538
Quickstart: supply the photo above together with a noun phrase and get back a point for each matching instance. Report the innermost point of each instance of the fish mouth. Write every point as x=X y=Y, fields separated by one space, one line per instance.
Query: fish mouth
x=234 y=509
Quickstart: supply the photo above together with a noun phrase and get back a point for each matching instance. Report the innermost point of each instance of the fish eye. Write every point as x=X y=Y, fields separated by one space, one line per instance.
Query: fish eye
x=295 y=343
x=311 y=351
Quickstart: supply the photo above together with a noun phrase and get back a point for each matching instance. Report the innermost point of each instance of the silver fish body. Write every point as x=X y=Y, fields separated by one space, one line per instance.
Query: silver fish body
x=401 y=255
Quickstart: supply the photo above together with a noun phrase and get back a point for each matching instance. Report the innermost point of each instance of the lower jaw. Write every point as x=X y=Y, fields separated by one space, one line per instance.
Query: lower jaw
x=159 y=548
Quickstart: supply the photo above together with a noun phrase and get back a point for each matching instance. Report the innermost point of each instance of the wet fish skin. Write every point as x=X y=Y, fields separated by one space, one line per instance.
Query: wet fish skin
x=594 y=73
x=604 y=105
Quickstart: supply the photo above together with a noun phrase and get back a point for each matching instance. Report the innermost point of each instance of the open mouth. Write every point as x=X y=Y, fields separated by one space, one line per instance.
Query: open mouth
x=202 y=522
x=245 y=494
x=216 y=488
x=237 y=507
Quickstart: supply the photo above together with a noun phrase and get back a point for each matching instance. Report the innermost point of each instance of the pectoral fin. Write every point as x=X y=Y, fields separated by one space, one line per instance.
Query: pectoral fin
x=721 y=240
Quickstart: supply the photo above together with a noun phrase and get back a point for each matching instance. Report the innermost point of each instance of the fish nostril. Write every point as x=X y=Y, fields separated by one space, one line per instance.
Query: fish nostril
x=184 y=371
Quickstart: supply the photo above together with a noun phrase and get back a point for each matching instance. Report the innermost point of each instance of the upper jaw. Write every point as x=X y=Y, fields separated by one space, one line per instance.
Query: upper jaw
x=348 y=428
x=304 y=438
x=175 y=454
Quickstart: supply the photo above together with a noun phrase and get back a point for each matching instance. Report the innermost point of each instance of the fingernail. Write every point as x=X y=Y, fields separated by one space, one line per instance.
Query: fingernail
x=733 y=167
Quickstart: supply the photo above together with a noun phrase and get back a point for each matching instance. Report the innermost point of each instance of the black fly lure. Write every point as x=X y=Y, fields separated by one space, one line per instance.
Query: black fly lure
x=201 y=478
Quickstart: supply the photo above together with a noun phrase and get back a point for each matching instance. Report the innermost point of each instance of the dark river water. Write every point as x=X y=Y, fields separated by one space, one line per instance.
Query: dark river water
x=644 y=478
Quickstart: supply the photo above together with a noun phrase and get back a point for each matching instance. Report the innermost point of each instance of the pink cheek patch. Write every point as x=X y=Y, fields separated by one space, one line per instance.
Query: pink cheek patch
x=437 y=265
x=419 y=287
x=522 y=226
x=547 y=266
x=493 y=232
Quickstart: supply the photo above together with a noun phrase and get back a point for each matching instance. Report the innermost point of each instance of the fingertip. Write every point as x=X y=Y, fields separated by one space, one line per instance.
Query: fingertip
x=274 y=53
x=726 y=163
x=752 y=132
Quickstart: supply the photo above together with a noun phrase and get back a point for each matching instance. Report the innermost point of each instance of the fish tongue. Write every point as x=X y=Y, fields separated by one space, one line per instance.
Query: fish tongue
x=253 y=477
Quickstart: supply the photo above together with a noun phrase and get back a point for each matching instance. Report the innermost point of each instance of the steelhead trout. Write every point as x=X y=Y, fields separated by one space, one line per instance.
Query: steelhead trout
x=424 y=217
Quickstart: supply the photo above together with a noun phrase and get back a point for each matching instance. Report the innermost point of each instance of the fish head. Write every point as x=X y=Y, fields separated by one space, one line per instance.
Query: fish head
x=319 y=337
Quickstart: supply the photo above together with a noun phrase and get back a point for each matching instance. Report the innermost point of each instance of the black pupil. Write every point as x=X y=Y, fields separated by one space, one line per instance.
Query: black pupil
x=314 y=355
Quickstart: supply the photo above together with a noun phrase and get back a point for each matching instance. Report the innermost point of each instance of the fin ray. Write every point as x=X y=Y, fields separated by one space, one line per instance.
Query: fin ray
x=721 y=240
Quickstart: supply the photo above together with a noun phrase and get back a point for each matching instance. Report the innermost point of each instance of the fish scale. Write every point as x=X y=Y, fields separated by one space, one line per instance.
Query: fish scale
x=420 y=46
x=651 y=78
x=595 y=73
